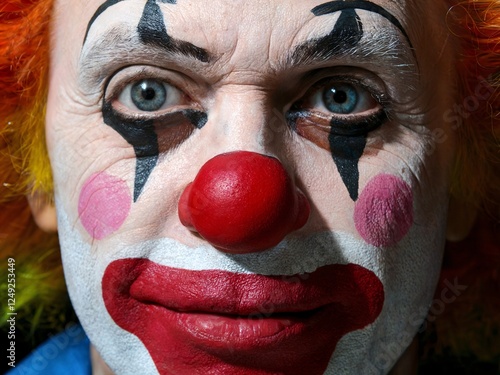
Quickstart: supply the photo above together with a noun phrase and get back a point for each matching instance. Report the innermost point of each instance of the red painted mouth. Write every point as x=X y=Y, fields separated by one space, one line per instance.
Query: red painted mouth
x=218 y=322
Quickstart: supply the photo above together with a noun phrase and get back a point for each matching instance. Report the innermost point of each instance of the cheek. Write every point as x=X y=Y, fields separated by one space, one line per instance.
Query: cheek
x=384 y=211
x=104 y=204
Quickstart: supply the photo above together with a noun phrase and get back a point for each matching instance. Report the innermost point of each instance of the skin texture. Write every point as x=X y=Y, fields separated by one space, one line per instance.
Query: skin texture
x=251 y=78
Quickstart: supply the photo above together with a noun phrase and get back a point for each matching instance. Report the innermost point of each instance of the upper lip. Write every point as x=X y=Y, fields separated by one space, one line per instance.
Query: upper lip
x=220 y=292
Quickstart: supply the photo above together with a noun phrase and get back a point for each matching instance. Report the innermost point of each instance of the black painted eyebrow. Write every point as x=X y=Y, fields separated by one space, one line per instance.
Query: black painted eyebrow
x=152 y=30
x=324 y=49
x=335 y=6
x=173 y=46
x=105 y=6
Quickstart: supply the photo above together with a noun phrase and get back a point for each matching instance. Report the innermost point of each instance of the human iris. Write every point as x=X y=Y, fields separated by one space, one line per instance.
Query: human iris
x=342 y=98
x=150 y=95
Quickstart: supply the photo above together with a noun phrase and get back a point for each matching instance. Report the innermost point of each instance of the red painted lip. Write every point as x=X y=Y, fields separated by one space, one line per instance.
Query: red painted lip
x=198 y=321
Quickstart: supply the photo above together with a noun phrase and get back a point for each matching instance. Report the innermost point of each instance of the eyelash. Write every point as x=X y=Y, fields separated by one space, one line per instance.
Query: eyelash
x=304 y=114
x=118 y=91
x=155 y=129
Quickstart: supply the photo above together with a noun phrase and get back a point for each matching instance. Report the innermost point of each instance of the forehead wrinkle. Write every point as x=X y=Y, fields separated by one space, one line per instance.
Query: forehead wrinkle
x=120 y=44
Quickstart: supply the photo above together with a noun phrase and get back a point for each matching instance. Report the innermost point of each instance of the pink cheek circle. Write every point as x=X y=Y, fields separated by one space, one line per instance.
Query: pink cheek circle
x=104 y=204
x=384 y=211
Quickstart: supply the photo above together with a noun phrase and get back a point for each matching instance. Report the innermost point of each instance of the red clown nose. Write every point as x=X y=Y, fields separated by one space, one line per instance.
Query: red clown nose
x=243 y=202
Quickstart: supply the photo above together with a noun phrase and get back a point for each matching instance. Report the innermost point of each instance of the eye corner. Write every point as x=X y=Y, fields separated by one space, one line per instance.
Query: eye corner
x=147 y=91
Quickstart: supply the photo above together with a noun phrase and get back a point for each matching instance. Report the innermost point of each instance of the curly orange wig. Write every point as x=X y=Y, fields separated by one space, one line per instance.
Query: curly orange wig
x=24 y=164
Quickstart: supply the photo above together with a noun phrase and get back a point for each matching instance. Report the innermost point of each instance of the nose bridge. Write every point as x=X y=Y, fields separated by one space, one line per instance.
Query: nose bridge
x=243 y=119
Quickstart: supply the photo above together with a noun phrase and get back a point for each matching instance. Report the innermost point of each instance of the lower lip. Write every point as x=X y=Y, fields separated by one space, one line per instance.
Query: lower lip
x=196 y=342
x=234 y=329
x=245 y=333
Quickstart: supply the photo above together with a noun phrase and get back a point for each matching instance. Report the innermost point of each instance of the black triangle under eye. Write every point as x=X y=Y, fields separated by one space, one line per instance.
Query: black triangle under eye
x=346 y=152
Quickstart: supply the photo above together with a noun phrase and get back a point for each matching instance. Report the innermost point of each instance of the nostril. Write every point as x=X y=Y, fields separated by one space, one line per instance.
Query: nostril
x=243 y=202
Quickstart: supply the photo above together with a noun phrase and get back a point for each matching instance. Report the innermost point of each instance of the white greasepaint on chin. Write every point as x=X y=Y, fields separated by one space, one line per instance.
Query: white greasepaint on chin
x=408 y=272
x=83 y=271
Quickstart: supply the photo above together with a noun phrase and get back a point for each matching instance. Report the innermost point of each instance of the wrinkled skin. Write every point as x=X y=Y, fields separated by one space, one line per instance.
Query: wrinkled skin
x=251 y=98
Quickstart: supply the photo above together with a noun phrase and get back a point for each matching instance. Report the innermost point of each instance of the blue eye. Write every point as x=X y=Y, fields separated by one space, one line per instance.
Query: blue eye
x=340 y=106
x=340 y=98
x=148 y=95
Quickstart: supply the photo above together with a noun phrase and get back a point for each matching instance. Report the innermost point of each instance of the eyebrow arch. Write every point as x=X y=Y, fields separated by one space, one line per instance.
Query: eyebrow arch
x=319 y=51
x=170 y=45
x=118 y=46
x=335 y=6
x=104 y=7
x=98 y=12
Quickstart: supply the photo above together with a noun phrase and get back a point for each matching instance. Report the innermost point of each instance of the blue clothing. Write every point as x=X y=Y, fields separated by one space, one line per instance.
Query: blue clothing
x=63 y=354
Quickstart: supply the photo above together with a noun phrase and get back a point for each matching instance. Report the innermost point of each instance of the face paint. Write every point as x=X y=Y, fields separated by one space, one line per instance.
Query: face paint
x=152 y=31
x=384 y=213
x=145 y=288
x=333 y=258
x=346 y=152
x=104 y=204
x=346 y=34
x=202 y=314
x=335 y=6
x=348 y=31
x=142 y=136
x=197 y=118
x=347 y=141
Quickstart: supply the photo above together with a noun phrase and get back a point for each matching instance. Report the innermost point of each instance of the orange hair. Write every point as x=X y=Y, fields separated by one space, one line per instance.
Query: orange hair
x=471 y=324
x=24 y=164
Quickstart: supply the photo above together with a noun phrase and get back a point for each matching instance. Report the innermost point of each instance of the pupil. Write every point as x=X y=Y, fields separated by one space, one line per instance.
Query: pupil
x=339 y=96
x=148 y=93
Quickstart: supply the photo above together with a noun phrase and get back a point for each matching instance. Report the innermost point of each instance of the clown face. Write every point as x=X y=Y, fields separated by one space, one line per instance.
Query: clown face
x=251 y=187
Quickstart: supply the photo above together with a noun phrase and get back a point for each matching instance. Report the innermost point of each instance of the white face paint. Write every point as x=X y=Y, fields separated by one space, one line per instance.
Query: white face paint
x=119 y=255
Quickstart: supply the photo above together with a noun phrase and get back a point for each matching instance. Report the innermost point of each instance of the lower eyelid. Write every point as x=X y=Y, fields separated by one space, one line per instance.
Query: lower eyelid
x=310 y=124
x=125 y=99
x=371 y=93
x=133 y=113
